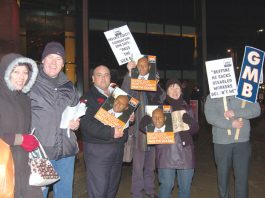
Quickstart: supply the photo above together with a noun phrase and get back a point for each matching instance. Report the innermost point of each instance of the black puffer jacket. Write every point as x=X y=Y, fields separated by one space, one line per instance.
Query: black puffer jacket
x=15 y=118
x=49 y=99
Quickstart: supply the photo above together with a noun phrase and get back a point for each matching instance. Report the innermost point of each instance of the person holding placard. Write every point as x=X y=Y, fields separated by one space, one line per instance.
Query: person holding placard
x=228 y=151
x=143 y=173
x=178 y=158
x=103 y=144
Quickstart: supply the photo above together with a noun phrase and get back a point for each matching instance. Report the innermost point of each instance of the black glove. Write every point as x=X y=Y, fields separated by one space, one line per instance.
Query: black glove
x=187 y=119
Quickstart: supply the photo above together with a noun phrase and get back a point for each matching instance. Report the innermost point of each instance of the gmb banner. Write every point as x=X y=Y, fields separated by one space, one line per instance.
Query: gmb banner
x=251 y=68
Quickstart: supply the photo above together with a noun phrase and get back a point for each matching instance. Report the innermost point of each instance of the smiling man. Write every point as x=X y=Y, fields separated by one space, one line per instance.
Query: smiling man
x=50 y=95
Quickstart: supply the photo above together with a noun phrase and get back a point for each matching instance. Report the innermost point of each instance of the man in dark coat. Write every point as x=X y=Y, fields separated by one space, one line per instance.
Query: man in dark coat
x=50 y=95
x=17 y=75
x=143 y=173
x=103 y=145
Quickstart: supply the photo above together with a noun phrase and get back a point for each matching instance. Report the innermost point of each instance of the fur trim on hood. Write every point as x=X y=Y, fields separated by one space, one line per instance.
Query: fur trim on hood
x=10 y=61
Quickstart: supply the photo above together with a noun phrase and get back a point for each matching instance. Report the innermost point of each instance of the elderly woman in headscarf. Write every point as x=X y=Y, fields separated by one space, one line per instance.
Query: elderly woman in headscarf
x=178 y=158
x=17 y=75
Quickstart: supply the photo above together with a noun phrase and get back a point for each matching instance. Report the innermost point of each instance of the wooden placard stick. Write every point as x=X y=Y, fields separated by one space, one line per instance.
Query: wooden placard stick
x=243 y=104
x=226 y=109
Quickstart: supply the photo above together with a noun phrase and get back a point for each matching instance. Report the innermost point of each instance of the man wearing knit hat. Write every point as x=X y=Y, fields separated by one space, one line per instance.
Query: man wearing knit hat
x=53 y=58
x=50 y=95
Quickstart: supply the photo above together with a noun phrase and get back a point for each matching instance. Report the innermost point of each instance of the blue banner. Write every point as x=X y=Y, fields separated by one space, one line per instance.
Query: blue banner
x=251 y=68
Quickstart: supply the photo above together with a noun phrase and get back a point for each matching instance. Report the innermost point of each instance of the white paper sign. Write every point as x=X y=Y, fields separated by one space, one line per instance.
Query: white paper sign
x=123 y=44
x=72 y=113
x=221 y=78
x=178 y=124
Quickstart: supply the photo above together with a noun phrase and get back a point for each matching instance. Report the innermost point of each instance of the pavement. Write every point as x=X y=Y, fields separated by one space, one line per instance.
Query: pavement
x=204 y=183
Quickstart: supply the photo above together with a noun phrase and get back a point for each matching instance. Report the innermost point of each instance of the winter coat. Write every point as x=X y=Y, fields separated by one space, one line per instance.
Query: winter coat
x=49 y=98
x=145 y=98
x=15 y=118
x=181 y=154
x=93 y=131
x=214 y=112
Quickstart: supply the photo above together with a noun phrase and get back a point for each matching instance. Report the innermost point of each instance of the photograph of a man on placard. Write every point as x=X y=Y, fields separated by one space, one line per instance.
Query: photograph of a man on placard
x=118 y=106
x=117 y=109
x=145 y=69
x=161 y=122
x=157 y=124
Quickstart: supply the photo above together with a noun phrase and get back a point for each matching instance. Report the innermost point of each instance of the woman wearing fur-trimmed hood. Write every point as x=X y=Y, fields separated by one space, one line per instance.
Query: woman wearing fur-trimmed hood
x=17 y=76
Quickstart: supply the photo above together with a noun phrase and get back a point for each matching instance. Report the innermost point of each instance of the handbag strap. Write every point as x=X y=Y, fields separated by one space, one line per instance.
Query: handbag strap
x=41 y=149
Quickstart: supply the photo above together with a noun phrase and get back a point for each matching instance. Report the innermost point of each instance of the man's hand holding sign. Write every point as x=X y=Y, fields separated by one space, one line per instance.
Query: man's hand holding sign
x=248 y=83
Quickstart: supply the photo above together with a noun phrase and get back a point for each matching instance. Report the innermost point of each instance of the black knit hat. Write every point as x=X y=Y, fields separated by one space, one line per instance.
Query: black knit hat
x=53 y=48
x=171 y=82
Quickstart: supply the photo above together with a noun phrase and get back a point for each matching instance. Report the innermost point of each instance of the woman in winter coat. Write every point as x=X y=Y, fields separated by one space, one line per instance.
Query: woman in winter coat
x=178 y=158
x=17 y=75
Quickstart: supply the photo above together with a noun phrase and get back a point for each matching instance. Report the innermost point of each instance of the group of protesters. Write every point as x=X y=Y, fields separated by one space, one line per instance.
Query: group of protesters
x=35 y=97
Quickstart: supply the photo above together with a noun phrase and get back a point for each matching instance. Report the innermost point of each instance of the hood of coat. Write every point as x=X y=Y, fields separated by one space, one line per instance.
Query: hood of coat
x=9 y=62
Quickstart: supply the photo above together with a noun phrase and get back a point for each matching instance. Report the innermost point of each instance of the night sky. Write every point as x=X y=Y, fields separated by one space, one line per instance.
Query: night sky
x=234 y=24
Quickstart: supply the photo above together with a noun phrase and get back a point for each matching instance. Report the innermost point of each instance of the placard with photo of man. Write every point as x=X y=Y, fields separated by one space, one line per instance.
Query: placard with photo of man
x=117 y=109
x=143 y=77
x=157 y=124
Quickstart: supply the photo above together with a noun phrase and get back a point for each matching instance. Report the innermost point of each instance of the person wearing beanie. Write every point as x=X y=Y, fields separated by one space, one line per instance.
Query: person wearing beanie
x=178 y=158
x=143 y=173
x=53 y=48
x=50 y=95
x=17 y=76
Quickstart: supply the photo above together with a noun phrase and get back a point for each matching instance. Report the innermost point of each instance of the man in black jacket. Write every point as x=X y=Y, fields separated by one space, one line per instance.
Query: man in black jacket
x=50 y=95
x=103 y=145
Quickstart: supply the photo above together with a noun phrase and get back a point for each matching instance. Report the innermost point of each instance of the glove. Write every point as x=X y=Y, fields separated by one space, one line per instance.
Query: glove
x=29 y=143
x=187 y=119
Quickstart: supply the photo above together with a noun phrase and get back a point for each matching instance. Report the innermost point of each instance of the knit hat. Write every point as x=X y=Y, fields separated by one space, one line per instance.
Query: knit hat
x=171 y=82
x=53 y=48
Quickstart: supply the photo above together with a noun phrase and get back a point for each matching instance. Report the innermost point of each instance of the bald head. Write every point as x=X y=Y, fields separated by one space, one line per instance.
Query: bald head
x=158 y=118
x=121 y=103
x=143 y=66
x=101 y=77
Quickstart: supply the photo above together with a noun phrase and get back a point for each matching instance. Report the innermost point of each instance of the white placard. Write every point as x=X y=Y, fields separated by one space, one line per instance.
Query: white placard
x=221 y=78
x=123 y=44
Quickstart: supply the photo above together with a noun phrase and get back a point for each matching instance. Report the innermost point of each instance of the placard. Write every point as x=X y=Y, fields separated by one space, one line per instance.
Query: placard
x=159 y=132
x=122 y=44
x=249 y=79
x=148 y=82
x=178 y=124
x=117 y=109
x=221 y=78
